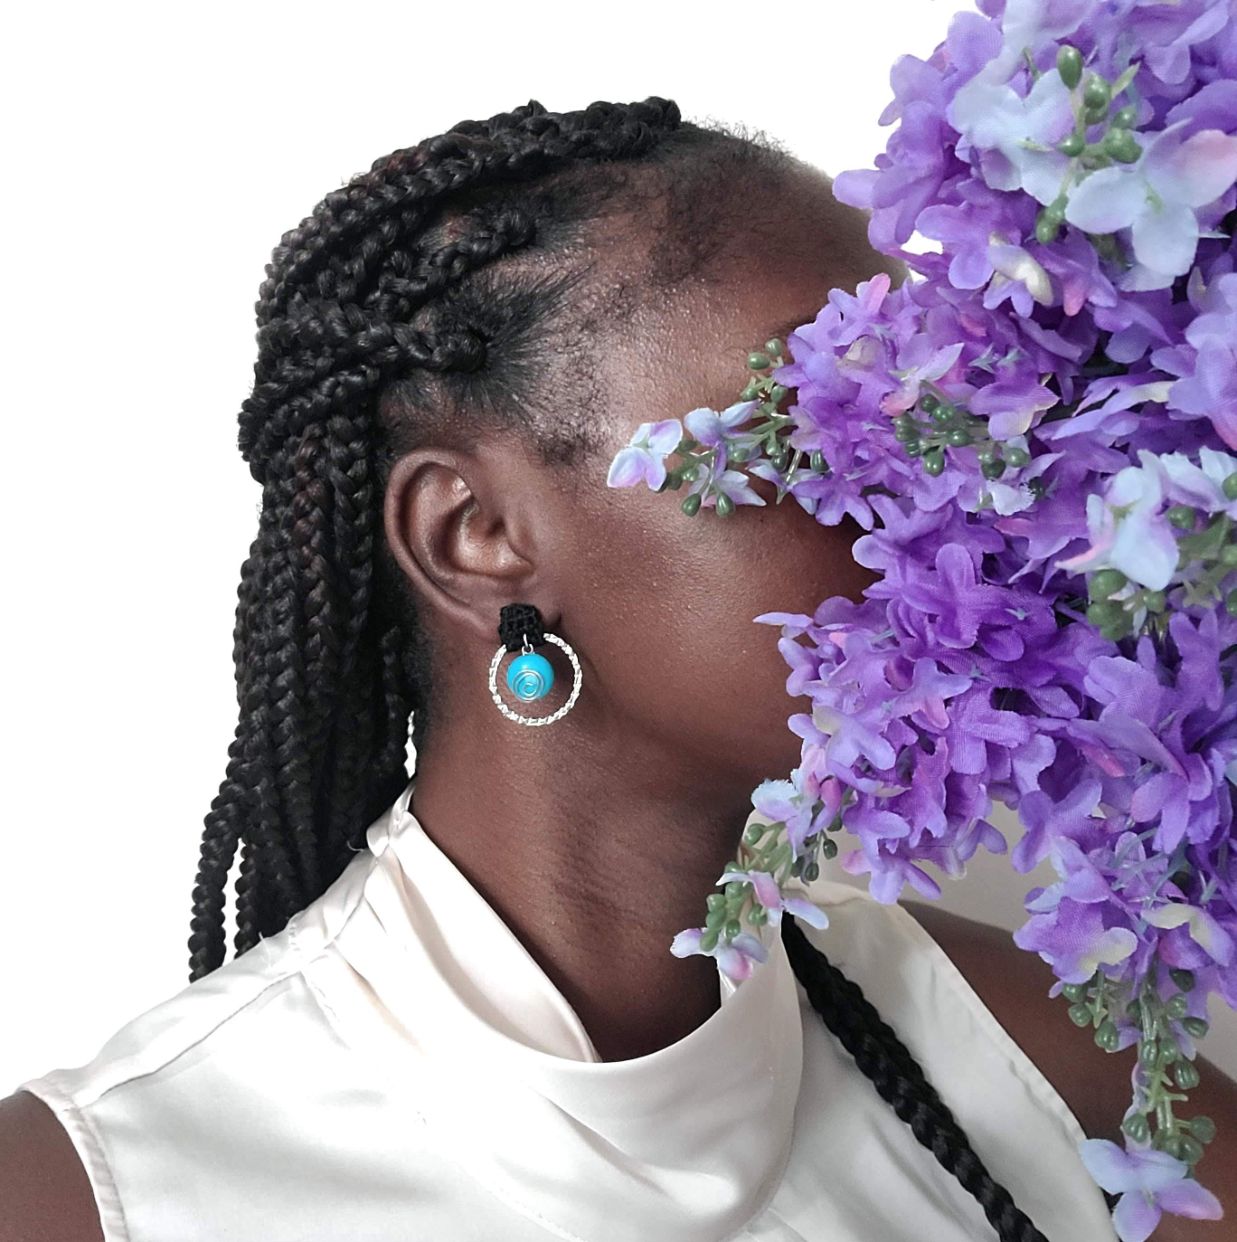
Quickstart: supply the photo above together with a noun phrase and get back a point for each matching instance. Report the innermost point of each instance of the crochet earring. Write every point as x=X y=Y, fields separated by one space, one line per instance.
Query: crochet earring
x=530 y=675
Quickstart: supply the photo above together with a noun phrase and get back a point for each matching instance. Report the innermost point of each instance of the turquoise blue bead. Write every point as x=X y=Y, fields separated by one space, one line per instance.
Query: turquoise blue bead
x=530 y=677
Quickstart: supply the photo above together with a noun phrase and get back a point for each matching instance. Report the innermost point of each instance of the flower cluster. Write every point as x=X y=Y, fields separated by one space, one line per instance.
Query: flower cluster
x=1037 y=432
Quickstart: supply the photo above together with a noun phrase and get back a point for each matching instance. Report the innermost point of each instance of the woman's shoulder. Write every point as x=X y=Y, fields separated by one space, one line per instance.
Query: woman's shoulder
x=47 y=1191
x=1000 y=988
x=173 y=1079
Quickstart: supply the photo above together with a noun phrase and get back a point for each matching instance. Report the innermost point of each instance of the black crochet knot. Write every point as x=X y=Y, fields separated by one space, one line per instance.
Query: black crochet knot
x=516 y=620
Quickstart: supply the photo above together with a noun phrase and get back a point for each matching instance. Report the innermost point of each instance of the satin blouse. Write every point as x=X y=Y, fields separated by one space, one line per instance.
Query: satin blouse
x=395 y=1065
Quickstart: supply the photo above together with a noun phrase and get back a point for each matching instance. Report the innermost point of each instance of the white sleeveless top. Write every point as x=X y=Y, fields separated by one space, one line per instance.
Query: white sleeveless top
x=394 y=1066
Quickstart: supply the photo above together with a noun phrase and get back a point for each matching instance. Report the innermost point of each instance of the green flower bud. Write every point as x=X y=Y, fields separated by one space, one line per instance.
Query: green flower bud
x=1186 y=1074
x=1096 y=95
x=1017 y=456
x=1080 y=1015
x=1183 y=978
x=1046 y=228
x=1148 y=1053
x=1125 y=117
x=1203 y=1128
x=777 y=392
x=943 y=415
x=905 y=433
x=1181 y=516
x=709 y=940
x=1155 y=601
x=725 y=506
x=773 y=346
x=1074 y=991
x=1177 y=1007
x=913 y=448
x=691 y=504
x=993 y=469
x=758 y=361
x=1198 y=1027
x=1172 y=1145
x=1102 y=614
x=812 y=870
x=733 y=928
x=1107 y=1035
x=829 y=848
x=753 y=833
x=1106 y=582
x=1069 y=65
x=1072 y=144
x=959 y=437
x=1169 y=1051
x=1228 y=555
x=714 y=900
x=817 y=461
x=750 y=393
x=928 y=403
x=1229 y=486
x=716 y=918
x=1190 y=1149
x=1121 y=146
x=758 y=915
x=1135 y=1125
x=674 y=480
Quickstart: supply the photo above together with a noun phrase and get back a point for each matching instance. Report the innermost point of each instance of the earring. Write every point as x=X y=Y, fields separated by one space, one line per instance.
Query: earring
x=530 y=675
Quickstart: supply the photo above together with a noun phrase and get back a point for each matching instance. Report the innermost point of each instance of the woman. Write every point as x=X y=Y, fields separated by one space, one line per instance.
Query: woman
x=452 y=1013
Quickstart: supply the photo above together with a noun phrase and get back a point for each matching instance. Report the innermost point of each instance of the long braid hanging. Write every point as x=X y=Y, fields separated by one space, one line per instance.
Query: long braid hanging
x=900 y=1080
x=322 y=667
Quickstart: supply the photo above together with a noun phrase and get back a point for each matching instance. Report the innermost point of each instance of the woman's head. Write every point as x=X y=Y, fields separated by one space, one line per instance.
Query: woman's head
x=452 y=348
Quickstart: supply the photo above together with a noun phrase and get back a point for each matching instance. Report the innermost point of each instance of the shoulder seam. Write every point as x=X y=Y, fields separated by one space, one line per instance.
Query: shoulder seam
x=90 y=1151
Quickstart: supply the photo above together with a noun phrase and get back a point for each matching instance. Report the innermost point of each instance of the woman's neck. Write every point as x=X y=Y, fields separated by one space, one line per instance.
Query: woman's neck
x=594 y=858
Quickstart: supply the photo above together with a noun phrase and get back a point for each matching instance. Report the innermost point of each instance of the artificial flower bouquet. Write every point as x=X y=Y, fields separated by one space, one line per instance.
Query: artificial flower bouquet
x=1037 y=429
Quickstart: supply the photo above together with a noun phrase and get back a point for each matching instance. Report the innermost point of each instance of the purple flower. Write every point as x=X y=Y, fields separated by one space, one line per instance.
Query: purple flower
x=714 y=429
x=770 y=896
x=1072 y=936
x=1128 y=531
x=1156 y=199
x=1150 y=1182
x=779 y=802
x=735 y=958
x=643 y=458
x=1207 y=362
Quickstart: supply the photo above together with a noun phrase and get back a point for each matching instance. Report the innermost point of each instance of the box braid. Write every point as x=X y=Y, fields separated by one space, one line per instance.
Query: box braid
x=331 y=661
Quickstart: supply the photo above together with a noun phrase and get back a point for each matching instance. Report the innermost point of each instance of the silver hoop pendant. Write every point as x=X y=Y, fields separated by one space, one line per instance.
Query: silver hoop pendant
x=577 y=679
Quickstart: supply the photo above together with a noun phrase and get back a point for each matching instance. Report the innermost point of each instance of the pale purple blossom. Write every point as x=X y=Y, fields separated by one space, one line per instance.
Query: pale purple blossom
x=736 y=958
x=643 y=459
x=1156 y=199
x=1150 y=1183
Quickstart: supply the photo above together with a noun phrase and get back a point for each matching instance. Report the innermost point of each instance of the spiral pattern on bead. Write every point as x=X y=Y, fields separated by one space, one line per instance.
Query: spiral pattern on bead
x=577 y=679
x=530 y=677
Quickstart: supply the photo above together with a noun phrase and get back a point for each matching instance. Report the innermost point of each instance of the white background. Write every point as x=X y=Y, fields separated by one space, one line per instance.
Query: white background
x=156 y=153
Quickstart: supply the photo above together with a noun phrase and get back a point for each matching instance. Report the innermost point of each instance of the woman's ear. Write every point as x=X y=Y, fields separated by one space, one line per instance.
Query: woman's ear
x=462 y=552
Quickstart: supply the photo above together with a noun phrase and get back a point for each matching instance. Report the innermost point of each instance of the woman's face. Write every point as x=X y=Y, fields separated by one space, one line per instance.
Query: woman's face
x=660 y=605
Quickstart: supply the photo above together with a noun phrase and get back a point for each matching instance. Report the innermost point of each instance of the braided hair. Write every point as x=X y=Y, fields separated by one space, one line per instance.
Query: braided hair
x=425 y=288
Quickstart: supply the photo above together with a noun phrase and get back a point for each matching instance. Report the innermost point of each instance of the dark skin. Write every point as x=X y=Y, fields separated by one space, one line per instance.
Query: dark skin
x=598 y=838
